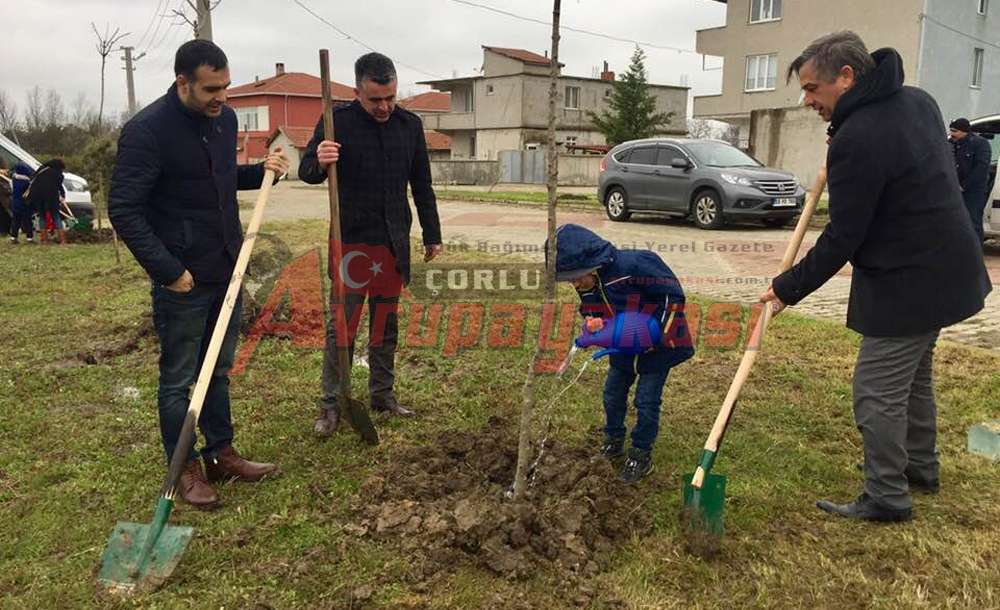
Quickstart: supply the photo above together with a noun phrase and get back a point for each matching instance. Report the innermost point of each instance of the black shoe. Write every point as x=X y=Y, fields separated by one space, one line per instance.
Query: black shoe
x=916 y=482
x=613 y=448
x=638 y=465
x=867 y=509
x=391 y=407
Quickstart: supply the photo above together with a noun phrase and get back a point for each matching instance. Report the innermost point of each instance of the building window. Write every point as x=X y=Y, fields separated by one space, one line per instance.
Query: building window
x=469 y=99
x=983 y=6
x=254 y=118
x=489 y=89
x=472 y=147
x=572 y=97
x=607 y=93
x=762 y=71
x=977 y=68
x=765 y=10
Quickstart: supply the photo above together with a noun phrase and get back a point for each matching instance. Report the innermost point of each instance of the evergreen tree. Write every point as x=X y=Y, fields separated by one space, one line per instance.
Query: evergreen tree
x=632 y=108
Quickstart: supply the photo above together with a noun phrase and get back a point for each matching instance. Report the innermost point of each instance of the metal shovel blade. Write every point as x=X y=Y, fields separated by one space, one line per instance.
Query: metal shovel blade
x=126 y=566
x=702 y=514
x=361 y=421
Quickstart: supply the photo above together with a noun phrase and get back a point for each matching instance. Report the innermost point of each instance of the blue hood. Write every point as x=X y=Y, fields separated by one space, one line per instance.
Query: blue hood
x=579 y=250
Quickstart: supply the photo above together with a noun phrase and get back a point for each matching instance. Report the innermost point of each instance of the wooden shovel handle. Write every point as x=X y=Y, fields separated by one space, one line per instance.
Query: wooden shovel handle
x=179 y=459
x=755 y=342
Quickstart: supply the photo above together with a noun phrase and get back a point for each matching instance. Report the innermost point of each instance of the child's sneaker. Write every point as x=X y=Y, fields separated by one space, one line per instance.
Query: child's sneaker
x=613 y=448
x=638 y=465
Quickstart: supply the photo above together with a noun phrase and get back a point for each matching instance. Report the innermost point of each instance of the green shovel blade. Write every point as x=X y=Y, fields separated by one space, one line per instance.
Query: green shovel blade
x=703 y=508
x=132 y=562
x=361 y=421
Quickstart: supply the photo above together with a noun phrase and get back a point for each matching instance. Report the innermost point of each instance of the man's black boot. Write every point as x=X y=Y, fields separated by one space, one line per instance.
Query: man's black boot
x=867 y=509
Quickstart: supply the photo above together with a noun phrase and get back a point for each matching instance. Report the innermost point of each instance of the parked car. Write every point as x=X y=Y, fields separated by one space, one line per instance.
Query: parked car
x=77 y=190
x=989 y=128
x=709 y=181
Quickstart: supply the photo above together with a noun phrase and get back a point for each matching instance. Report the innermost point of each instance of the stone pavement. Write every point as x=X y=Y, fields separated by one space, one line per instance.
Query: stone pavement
x=734 y=264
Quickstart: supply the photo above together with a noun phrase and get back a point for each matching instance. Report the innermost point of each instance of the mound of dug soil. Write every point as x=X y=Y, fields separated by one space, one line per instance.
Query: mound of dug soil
x=444 y=501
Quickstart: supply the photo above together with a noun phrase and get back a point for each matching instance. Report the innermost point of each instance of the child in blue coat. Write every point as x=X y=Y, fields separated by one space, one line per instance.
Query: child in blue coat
x=611 y=281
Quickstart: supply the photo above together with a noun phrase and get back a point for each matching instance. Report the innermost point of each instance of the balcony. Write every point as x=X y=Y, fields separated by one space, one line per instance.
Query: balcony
x=450 y=121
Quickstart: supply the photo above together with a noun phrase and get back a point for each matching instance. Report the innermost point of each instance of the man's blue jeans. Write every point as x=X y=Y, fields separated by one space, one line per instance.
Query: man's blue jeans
x=652 y=370
x=184 y=323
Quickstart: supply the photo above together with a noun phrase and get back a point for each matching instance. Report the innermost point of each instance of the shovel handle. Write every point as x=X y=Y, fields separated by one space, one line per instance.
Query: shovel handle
x=197 y=400
x=755 y=343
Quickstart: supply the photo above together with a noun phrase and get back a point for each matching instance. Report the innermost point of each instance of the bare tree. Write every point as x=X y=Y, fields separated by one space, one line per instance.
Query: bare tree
x=54 y=112
x=81 y=111
x=700 y=129
x=8 y=114
x=201 y=23
x=34 y=109
x=528 y=391
x=105 y=44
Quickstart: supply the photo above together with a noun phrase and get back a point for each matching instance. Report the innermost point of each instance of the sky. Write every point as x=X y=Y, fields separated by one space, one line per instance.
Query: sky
x=50 y=43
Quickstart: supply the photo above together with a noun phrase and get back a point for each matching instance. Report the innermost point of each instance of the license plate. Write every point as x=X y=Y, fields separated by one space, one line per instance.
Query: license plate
x=784 y=202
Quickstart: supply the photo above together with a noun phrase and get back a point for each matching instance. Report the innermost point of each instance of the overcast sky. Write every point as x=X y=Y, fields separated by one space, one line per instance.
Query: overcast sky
x=50 y=43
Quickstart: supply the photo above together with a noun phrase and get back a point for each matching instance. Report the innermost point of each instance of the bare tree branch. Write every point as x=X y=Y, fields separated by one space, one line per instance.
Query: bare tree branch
x=105 y=44
x=8 y=113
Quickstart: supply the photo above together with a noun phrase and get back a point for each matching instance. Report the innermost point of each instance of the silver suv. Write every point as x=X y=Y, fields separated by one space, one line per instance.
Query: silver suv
x=710 y=181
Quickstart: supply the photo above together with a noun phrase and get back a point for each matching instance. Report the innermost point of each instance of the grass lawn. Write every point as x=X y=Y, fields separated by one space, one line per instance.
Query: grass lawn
x=541 y=197
x=80 y=450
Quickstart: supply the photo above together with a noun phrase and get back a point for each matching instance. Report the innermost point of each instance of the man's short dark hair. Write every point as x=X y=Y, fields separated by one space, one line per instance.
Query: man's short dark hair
x=196 y=53
x=374 y=67
x=831 y=53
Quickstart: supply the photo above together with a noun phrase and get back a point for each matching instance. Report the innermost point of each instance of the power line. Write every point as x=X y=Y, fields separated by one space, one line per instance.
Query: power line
x=150 y=24
x=358 y=41
x=577 y=30
x=959 y=32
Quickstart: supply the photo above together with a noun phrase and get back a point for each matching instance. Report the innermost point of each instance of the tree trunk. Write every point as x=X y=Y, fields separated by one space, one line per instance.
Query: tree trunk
x=100 y=108
x=528 y=391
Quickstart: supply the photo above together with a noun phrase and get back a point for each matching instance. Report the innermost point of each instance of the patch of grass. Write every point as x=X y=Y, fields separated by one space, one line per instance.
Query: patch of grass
x=534 y=198
x=80 y=449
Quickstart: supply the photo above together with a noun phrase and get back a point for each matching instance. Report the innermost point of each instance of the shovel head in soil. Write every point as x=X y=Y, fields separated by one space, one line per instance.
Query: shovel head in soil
x=140 y=557
x=703 y=508
x=360 y=420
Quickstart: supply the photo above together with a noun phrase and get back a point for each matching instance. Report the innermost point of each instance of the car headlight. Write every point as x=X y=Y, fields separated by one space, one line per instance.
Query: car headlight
x=736 y=179
x=75 y=186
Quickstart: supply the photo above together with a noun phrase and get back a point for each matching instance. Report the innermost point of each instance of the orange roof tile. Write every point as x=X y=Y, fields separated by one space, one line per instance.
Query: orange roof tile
x=431 y=101
x=437 y=140
x=521 y=55
x=292 y=83
x=299 y=136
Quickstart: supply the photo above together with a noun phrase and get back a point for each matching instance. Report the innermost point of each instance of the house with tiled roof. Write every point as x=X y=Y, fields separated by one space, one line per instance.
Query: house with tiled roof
x=431 y=103
x=506 y=105
x=290 y=101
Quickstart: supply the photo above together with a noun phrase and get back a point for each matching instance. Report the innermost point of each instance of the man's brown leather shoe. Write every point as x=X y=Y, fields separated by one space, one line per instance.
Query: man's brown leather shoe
x=194 y=489
x=391 y=407
x=229 y=465
x=326 y=422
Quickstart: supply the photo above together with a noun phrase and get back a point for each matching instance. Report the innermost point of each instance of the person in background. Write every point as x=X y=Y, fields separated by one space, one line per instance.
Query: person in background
x=6 y=190
x=20 y=208
x=45 y=195
x=972 y=162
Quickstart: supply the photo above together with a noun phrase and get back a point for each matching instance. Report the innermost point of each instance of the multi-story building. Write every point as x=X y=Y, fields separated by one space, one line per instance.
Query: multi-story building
x=289 y=100
x=949 y=48
x=506 y=106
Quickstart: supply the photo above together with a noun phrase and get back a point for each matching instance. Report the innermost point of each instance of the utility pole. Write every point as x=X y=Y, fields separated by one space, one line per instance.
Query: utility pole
x=129 y=81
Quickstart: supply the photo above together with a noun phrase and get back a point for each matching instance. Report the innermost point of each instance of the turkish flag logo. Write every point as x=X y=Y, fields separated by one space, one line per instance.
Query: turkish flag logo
x=367 y=269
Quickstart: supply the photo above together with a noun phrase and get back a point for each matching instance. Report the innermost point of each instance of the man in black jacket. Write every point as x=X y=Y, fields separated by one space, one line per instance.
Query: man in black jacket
x=379 y=149
x=896 y=215
x=173 y=202
x=972 y=162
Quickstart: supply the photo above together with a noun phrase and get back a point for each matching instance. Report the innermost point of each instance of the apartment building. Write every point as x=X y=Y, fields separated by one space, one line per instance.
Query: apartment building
x=949 y=48
x=506 y=106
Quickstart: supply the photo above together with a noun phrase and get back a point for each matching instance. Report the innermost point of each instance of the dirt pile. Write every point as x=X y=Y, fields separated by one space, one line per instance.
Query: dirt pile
x=444 y=501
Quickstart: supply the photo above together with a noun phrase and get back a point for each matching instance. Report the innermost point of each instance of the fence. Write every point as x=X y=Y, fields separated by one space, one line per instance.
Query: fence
x=518 y=167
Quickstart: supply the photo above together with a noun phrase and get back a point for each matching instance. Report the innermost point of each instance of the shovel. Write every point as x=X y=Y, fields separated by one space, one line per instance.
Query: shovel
x=354 y=410
x=704 y=492
x=140 y=557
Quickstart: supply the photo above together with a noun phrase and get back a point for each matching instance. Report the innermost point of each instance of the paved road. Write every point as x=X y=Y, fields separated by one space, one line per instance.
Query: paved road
x=732 y=265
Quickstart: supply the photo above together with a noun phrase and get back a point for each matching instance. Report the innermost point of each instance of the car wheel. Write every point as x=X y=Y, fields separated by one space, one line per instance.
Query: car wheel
x=706 y=210
x=776 y=223
x=616 y=204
